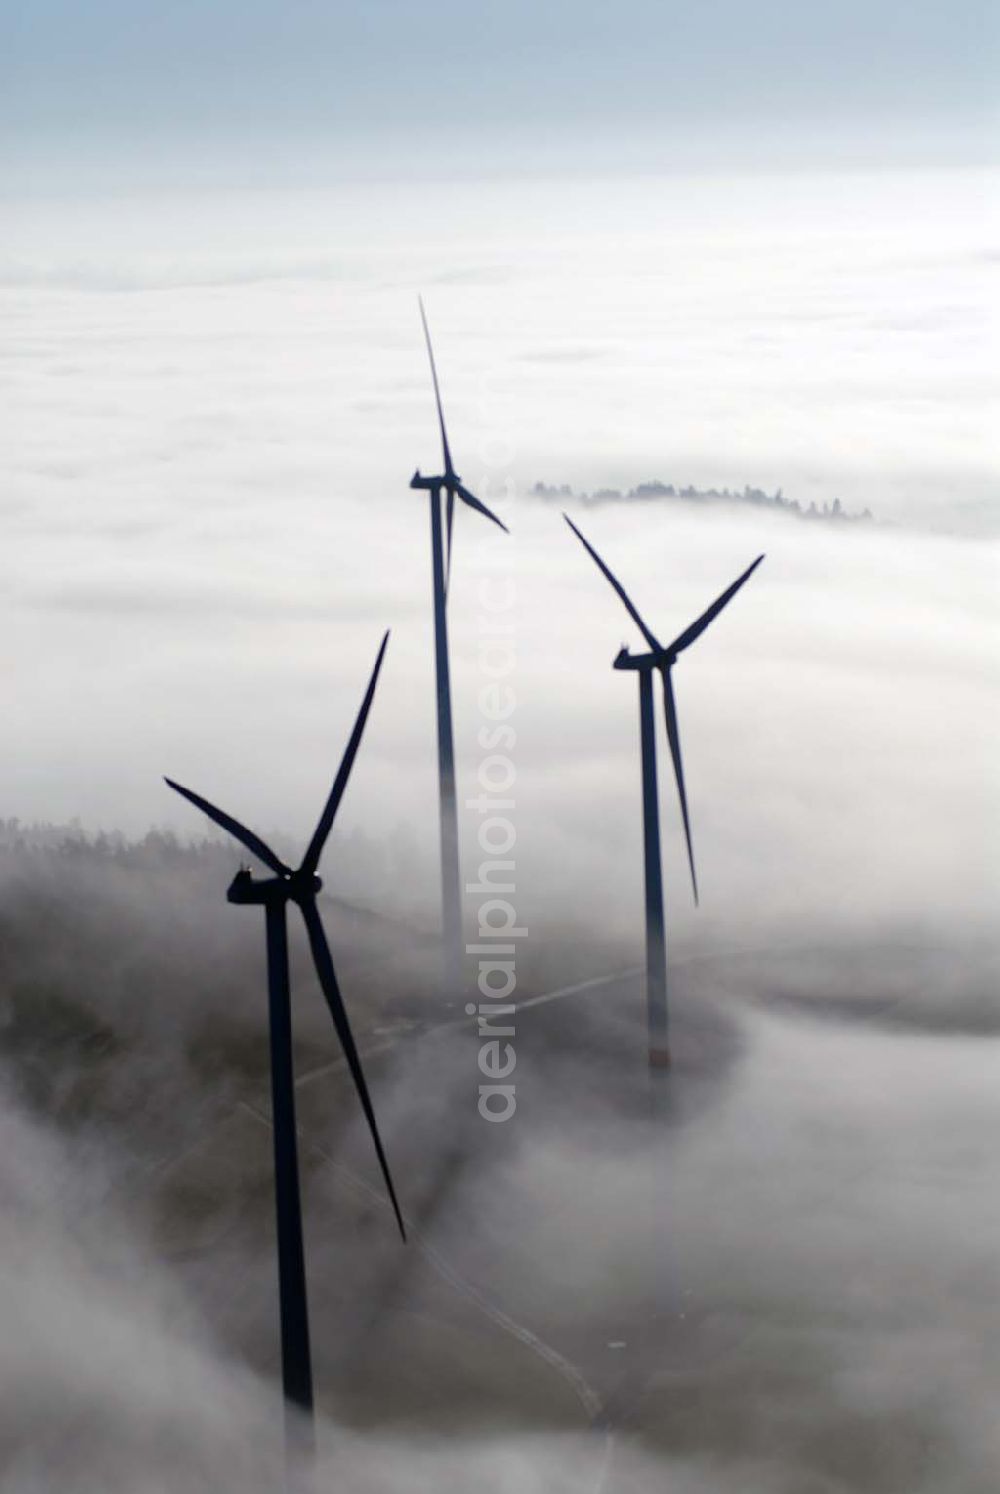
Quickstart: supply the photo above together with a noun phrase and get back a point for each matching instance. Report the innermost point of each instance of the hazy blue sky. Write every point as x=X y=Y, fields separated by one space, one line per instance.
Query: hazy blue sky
x=256 y=87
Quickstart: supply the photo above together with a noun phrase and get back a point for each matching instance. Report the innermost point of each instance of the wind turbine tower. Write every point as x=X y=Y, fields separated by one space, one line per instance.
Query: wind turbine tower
x=447 y=486
x=300 y=886
x=659 y=660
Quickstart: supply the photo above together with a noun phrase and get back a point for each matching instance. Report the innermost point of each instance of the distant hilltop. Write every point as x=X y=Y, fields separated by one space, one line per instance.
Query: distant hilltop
x=647 y=491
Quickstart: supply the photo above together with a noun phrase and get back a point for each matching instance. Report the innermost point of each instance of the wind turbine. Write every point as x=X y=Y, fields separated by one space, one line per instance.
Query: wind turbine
x=300 y=886
x=662 y=660
x=450 y=484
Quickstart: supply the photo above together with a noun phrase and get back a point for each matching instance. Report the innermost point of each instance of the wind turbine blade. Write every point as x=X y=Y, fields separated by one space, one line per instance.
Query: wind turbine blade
x=323 y=961
x=700 y=624
x=448 y=468
x=619 y=588
x=449 y=523
x=474 y=502
x=247 y=838
x=311 y=859
x=674 y=740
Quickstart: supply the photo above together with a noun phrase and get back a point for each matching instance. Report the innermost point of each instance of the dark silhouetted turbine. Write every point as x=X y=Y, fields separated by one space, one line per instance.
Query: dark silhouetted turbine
x=662 y=660
x=449 y=484
x=299 y=886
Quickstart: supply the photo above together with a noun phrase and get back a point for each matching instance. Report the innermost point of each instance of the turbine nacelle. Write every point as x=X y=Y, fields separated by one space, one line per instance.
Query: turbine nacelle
x=297 y=887
x=663 y=658
x=427 y=484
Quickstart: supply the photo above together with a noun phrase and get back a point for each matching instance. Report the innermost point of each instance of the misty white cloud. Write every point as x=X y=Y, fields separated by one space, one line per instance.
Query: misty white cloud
x=792 y=1286
x=206 y=479
x=212 y=409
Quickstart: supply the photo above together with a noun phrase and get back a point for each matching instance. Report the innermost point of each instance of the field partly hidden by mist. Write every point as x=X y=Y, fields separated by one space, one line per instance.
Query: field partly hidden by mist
x=777 y=1274
x=780 y=1272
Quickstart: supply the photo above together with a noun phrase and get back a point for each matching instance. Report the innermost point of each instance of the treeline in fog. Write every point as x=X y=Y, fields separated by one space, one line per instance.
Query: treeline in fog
x=756 y=497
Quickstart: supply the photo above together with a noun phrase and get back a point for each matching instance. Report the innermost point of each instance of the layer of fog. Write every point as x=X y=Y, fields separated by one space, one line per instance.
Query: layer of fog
x=828 y=334
x=787 y=1282
x=206 y=530
x=836 y=719
x=206 y=516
